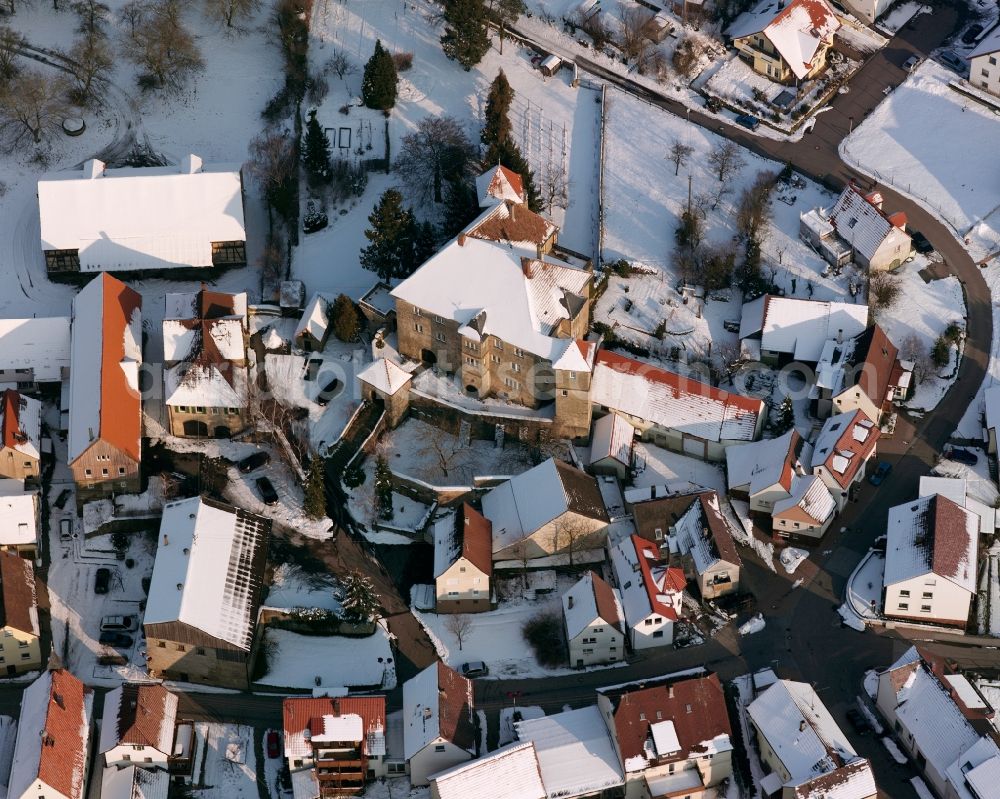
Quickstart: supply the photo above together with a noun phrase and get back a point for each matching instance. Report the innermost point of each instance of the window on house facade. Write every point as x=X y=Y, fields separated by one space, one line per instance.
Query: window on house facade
x=925 y=608
x=986 y=73
x=904 y=592
x=904 y=605
x=418 y=327
x=439 y=320
x=498 y=343
x=439 y=336
x=417 y=311
x=516 y=367
x=993 y=60
x=927 y=595
x=439 y=747
x=519 y=352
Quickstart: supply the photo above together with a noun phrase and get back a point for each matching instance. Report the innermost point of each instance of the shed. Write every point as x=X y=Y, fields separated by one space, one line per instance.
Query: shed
x=611 y=446
x=551 y=65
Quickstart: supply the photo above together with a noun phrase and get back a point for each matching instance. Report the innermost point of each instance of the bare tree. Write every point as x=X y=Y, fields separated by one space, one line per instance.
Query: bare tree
x=555 y=189
x=521 y=553
x=32 y=106
x=133 y=14
x=93 y=14
x=443 y=452
x=10 y=46
x=230 y=11
x=273 y=166
x=634 y=29
x=340 y=64
x=915 y=350
x=11 y=5
x=753 y=213
x=726 y=160
x=686 y=56
x=884 y=289
x=91 y=63
x=438 y=151
x=571 y=537
x=164 y=48
x=459 y=625
x=679 y=153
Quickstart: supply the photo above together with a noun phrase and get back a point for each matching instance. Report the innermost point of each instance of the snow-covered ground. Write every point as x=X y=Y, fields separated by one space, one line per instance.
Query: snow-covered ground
x=971 y=425
x=752 y=625
x=658 y=466
x=229 y=764
x=8 y=737
x=272 y=771
x=291 y=587
x=791 y=558
x=298 y=661
x=900 y=15
x=939 y=164
x=988 y=606
x=864 y=588
x=394 y=788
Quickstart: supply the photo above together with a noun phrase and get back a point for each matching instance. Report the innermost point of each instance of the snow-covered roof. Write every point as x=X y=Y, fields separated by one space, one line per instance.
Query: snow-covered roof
x=18 y=513
x=976 y=772
x=527 y=502
x=494 y=289
x=932 y=534
x=19 y=608
x=961 y=491
x=759 y=465
x=589 y=599
x=574 y=750
x=673 y=401
x=988 y=44
x=138 y=714
x=612 y=437
x=53 y=732
x=810 y=501
x=41 y=344
x=800 y=328
x=855 y=780
x=645 y=584
x=800 y=730
x=315 y=318
x=844 y=444
x=385 y=375
x=133 y=782
x=205 y=384
x=511 y=772
x=437 y=703
x=183 y=339
x=859 y=220
x=356 y=718
x=796 y=30
x=465 y=532
x=21 y=423
x=104 y=378
x=499 y=184
x=208 y=571
x=703 y=532
x=141 y=217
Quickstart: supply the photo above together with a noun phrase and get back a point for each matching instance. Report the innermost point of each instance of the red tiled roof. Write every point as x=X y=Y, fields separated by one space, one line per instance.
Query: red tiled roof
x=820 y=13
x=696 y=706
x=513 y=179
x=949 y=537
x=299 y=714
x=121 y=409
x=607 y=607
x=647 y=554
x=17 y=588
x=11 y=407
x=859 y=450
x=455 y=708
x=512 y=222
x=477 y=539
x=61 y=762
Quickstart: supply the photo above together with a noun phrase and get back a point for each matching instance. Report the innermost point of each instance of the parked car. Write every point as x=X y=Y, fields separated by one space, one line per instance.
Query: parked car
x=880 y=473
x=748 y=121
x=920 y=243
x=962 y=456
x=328 y=392
x=273 y=744
x=102 y=580
x=117 y=640
x=475 y=668
x=62 y=498
x=65 y=529
x=267 y=492
x=858 y=721
x=117 y=624
x=255 y=461
x=911 y=63
x=949 y=59
x=312 y=368
x=972 y=33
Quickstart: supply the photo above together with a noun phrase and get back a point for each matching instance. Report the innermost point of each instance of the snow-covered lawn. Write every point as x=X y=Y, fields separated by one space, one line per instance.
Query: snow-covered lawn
x=939 y=164
x=988 y=607
x=291 y=587
x=297 y=661
x=241 y=490
x=230 y=763
x=394 y=788
x=900 y=15
x=658 y=466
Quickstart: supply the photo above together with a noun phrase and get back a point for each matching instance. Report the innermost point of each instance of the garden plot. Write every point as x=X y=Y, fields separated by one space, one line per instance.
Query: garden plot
x=940 y=165
x=328 y=661
x=229 y=764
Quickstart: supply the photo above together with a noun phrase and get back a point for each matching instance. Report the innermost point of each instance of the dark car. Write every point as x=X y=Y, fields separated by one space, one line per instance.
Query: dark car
x=920 y=243
x=962 y=456
x=62 y=498
x=748 y=121
x=255 y=461
x=328 y=392
x=475 y=668
x=972 y=34
x=267 y=492
x=273 y=744
x=880 y=473
x=858 y=721
x=117 y=640
x=102 y=580
x=949 y=59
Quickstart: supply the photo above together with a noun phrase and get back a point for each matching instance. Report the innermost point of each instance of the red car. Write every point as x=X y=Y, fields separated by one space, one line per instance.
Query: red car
x=273 y=744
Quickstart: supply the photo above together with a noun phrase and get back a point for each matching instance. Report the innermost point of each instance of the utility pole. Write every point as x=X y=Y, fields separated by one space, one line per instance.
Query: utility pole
x=689 y=194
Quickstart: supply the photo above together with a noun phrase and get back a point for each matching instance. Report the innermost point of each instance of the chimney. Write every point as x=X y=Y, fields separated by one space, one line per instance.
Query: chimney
x=570 y=602
x=58 y=698
x=840 y=335
x=93 y=169
x=461 y=239
x=802 y=725
x=190 y=164
x=166 y=540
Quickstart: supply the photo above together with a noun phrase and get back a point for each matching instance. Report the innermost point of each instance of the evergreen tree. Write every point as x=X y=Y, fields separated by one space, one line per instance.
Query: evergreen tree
x=424 y=243
x=316 y=151
x=378 y=86
x=784 y=417
x=497 y=128
x=346 y=319
x=466 y=36
x=315 y=492
x=390 y=253
x=383 y=489
x=461 y=206
x=360 y=601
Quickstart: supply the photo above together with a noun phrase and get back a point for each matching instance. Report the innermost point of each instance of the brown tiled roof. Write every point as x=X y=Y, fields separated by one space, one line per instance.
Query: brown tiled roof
x=607 y=607
x=17 y=581
x=950 y=540
x=11 y=408
x=514 y=179
x=455 y=708
x=215 y=304
x=583 y=495
x=61 y=762
x=696 y=706
x=858 y=451
x=827 y=784
x=302 y=713
x=874 y=360
x=513 y=222
x=722 y=536
x=477 y=538
x=898 y=677
x=142 y=711
x=664 y=512
x=120 y=415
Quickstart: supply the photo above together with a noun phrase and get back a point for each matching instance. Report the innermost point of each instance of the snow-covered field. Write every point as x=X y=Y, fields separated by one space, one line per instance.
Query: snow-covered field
x=297 y=661
x=230 y=763
x=939 y=164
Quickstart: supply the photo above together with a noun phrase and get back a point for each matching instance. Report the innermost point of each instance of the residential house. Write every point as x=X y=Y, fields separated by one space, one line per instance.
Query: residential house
x=134 y=782
x=593 y=622
x=952 y=743
x=463 y=562
x=575 y=752
x=505 y=309
x=652 y=592
x=34 y=351
x=500 y=185
x=201 y=611
x=18 y=519
x=138 y=726
x=878 y=241
x=105 y=407
x=845 y=445
x=806 y=515
x=314 y=326
x=673 y=411
x=378 y=307
x=983 y=70
x=20 y=650
x=21 y=435
x=438 y=727
x=864 y=372
x=552 y=509
x=868 y=10
x=671 y=734
x=97 y=219
x=930 y=562
x=51 y=754
x=511 y=772
x=611 y=446
x=973 y=493
x=761 y=472
x=780 y=330
x=804 y=749
x=787 y=43
x=204 y=364
x=991 y=418
x=385 y=382
x=334 y=746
